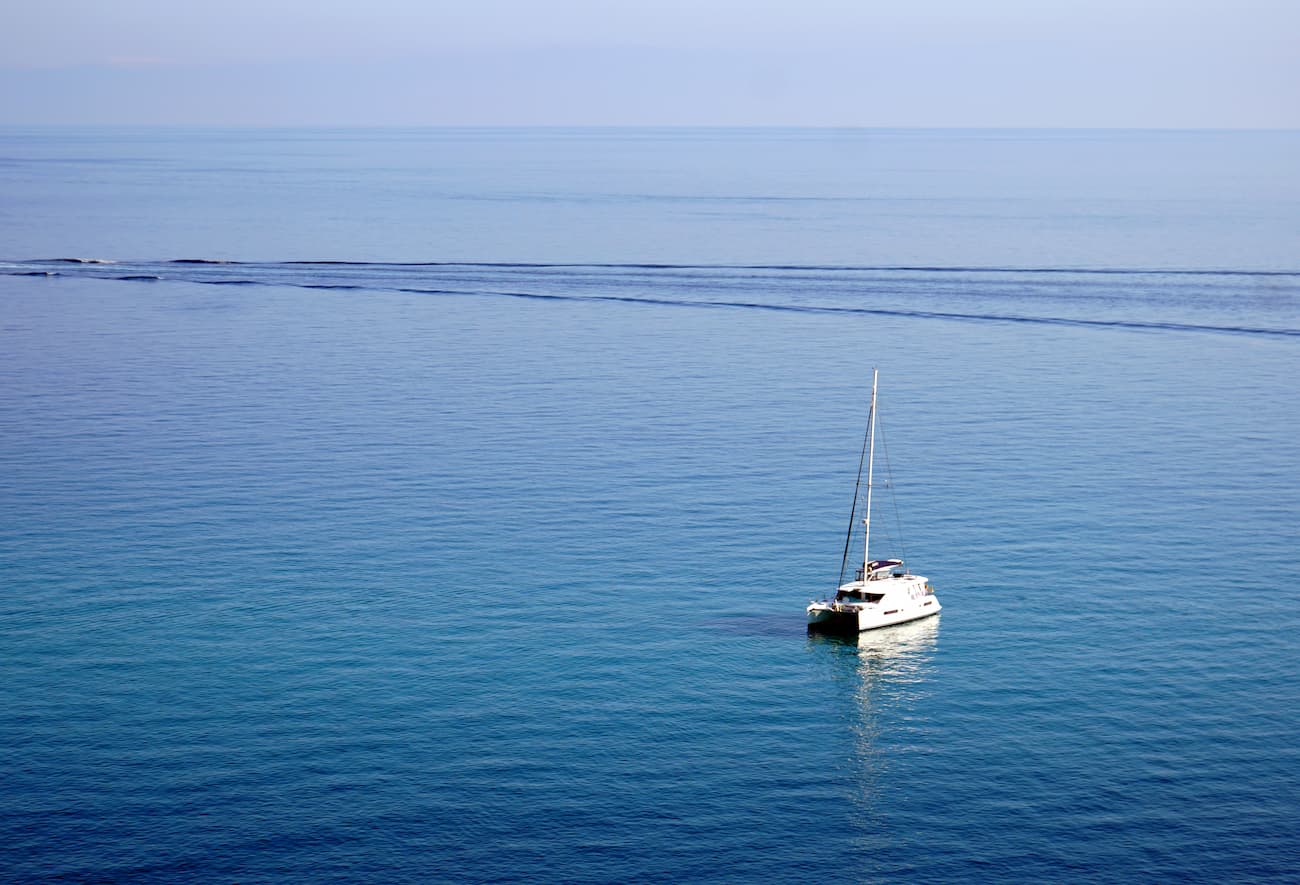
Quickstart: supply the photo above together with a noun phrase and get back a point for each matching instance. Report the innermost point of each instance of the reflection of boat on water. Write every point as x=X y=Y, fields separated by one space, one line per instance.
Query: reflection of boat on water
x=884 y=667
x=901 y=644
x=879 y=680
x=883 y=593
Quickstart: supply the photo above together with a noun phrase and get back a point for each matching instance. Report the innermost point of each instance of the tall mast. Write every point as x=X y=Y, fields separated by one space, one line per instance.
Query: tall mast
x=871 y=457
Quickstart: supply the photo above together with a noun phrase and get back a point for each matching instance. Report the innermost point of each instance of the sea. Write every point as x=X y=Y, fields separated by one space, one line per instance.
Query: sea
x=441 y=505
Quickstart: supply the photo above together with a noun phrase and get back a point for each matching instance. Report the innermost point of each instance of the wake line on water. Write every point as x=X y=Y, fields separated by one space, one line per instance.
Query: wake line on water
x=1151 y=325
x=877 y=311
x=893 y=268
x=826 y=309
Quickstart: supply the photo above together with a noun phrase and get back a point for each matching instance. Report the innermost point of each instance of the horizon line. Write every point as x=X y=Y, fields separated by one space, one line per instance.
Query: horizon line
x=831 y=127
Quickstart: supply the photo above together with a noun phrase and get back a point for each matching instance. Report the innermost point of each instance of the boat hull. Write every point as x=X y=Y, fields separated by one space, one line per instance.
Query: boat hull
x=827 y=618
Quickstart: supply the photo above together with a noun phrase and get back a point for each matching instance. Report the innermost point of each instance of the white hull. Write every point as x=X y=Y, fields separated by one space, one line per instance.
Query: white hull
x=859 y=622
x=869 y=605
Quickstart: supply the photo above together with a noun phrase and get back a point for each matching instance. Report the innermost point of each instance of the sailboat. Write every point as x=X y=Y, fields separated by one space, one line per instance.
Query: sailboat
x=883 y=592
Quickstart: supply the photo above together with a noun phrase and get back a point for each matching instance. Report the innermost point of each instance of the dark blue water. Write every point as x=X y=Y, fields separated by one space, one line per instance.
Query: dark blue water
x=494 y=571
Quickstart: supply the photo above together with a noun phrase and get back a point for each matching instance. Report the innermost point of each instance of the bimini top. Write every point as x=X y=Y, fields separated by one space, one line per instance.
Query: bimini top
x=878 y=565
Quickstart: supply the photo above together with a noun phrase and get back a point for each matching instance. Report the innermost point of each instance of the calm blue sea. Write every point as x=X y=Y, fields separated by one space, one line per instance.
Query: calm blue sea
x=441 y=505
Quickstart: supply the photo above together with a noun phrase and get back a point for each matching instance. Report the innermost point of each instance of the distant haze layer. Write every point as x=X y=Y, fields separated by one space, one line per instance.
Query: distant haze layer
x=1189 y=64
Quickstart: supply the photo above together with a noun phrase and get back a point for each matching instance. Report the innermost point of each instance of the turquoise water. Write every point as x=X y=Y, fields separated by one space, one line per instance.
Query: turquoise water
x=496 y=572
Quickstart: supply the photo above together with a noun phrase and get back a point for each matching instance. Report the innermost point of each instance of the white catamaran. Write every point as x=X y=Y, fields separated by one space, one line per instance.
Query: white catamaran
x=883 y=593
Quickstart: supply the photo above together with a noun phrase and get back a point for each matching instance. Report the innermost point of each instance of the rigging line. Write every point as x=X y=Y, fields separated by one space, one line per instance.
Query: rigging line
x=893 y=496
x=853 y=512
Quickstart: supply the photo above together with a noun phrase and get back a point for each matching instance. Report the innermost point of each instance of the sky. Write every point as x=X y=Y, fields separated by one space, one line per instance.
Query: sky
x=869 y=63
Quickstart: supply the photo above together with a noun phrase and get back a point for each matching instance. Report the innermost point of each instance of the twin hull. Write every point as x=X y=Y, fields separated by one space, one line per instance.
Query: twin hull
x=878 y=603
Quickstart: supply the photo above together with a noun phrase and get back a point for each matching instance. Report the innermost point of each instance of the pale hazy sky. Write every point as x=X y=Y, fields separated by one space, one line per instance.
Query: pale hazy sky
x=1125 y=63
